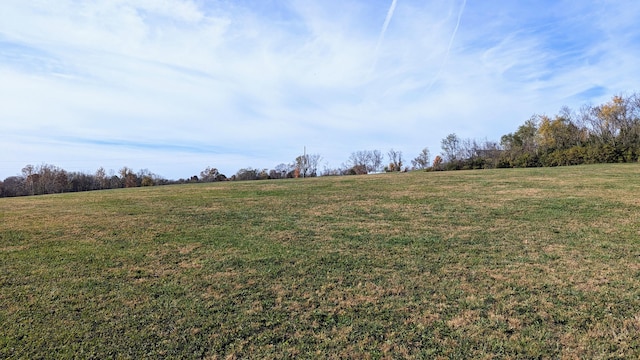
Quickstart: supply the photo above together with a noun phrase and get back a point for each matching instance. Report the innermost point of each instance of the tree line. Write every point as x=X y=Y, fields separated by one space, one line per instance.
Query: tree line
x=50 y=179
x=605 y=133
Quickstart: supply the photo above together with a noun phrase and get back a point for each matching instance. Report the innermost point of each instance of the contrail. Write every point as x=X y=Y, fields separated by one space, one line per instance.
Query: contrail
x=384 y=30
x=446 y=55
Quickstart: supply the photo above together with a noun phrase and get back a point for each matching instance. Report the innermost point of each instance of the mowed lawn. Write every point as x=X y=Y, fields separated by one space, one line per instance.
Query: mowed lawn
x=509 y=263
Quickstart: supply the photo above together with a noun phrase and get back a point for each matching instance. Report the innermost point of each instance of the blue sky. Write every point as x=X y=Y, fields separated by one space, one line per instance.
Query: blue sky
x=174 y=86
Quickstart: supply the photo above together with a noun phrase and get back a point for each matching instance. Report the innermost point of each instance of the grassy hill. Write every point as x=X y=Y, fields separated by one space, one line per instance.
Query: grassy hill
x=498 y=263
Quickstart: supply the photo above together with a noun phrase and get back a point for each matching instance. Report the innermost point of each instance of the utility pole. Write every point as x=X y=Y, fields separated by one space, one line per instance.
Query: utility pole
x=304 y=161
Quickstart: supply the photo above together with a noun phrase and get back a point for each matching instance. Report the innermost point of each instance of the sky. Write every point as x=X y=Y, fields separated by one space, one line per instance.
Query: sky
x=175 y=86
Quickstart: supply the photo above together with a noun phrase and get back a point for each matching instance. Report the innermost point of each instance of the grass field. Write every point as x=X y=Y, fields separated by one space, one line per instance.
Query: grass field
x=523 y=263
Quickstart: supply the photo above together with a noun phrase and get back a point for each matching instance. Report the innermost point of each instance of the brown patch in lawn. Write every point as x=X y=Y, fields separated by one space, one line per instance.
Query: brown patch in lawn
x=14 y=248
x=190 y=264
x=464 y=319
x=422 y=319
x=513 y=323
x=513 y=194
x=187 y=249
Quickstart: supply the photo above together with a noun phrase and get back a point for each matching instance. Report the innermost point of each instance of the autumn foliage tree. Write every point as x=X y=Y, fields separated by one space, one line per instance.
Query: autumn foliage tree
x=615 y=126
x=437 y=163
x=606 y=133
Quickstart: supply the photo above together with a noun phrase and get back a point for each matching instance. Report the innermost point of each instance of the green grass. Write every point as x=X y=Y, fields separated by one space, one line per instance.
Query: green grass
x=523 y=263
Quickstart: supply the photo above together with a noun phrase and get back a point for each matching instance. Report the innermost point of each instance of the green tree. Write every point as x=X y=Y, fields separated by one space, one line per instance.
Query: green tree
x=451 y=149
x=521 y=147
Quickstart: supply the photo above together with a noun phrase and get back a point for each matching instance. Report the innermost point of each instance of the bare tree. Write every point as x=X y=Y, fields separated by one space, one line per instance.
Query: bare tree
x=365 y=161
x=145 y=177
x=61 y=181
x=327 y=171
x=314 y=162
x=14 y=186
x=246 y=174
x=307 y=164
x=359 y=161
x=101 y=180
x=282 y=171
x=422 y=160
x=395 y=160
x=376 y=161
x=128 y=177
x=30 y=179
x=209 y=174
x=451 y=148
x=468 y=149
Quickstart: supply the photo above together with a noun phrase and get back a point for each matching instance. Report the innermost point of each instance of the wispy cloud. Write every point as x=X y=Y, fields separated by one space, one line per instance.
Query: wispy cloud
x=453 y=36
x=385 y=25
x=250 y=83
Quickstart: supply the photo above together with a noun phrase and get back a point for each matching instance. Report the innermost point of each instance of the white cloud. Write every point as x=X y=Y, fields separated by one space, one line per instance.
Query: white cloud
x=251 y=83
